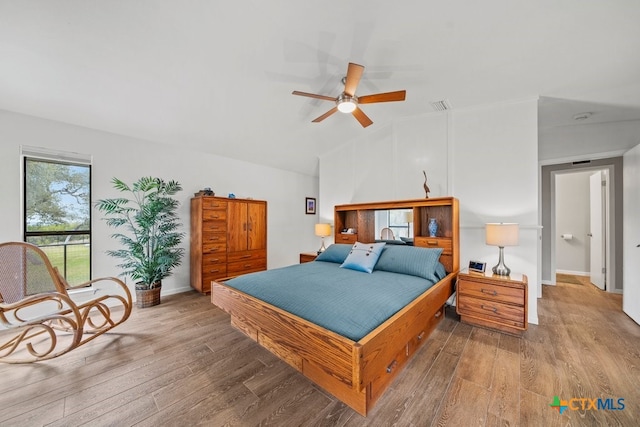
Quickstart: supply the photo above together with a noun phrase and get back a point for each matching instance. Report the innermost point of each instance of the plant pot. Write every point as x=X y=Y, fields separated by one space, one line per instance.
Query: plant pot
x=147 y=297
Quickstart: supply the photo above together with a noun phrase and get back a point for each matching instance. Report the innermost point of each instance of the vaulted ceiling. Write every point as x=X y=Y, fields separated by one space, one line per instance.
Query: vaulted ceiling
x=217 y=76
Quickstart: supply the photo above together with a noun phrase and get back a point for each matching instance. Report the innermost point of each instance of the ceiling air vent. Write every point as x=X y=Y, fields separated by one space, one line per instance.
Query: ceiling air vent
x=443 y=105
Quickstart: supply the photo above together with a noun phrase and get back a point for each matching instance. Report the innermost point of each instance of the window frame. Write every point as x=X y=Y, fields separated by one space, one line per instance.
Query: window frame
x=59 y=160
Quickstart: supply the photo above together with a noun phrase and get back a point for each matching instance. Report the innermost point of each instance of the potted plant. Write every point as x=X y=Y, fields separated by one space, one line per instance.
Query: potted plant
x=150 y=233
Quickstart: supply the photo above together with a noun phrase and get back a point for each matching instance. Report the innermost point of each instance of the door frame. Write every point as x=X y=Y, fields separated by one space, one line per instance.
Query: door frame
x=614 y=229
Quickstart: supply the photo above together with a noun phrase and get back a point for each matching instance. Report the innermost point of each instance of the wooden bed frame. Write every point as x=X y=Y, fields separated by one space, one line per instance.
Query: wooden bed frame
x=357 y=373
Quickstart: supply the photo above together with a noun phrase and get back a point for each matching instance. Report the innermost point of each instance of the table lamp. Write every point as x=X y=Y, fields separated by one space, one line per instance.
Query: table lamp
x=501 y=235
x=323 y=230
x=408 y=218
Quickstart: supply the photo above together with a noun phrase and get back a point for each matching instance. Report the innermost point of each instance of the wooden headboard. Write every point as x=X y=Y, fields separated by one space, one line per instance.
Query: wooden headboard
x=360 y=217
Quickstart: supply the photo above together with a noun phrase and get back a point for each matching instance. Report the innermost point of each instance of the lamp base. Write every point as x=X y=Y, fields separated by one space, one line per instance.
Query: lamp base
x=322 y=248
x=500 y=269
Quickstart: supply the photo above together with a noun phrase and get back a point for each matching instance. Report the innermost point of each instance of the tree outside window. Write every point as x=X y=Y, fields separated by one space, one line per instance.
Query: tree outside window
x=57 y=214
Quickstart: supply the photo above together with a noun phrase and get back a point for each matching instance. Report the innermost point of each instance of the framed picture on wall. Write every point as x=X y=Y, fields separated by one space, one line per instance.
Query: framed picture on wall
x=310 y=205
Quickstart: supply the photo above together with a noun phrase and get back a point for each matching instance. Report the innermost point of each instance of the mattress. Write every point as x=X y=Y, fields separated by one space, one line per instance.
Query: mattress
x=347 y=302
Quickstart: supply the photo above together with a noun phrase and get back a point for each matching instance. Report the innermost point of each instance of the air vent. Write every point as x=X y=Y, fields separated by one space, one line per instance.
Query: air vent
x=443 y=105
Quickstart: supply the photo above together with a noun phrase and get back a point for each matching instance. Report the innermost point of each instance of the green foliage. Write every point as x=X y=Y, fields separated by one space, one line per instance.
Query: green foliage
x=48 y=185
x=150 y=226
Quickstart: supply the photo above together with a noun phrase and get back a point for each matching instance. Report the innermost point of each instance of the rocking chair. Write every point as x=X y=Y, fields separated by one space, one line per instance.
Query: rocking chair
x=38 y=319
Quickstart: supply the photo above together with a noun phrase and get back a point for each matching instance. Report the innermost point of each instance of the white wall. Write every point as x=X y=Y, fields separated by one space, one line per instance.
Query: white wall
x=572 y=217
x=290 y=230
x=485 y=156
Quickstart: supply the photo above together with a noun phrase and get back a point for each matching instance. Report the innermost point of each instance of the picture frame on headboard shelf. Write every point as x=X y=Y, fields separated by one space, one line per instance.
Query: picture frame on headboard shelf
x=310 y=206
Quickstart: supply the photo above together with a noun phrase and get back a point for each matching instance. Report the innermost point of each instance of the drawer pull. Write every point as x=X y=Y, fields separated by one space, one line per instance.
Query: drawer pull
x=392 y=366
x=432 y=242
x=486 y=307
x=438 y=314
x=245 y=256
x=489 y=291
x=420 y=336
x=214 y=271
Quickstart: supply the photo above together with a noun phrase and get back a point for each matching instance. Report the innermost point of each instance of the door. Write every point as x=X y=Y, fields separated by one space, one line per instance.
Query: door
x=596 y=234
x=237 y=227
x=631 y=232
x=247 y=226
x=257 y=225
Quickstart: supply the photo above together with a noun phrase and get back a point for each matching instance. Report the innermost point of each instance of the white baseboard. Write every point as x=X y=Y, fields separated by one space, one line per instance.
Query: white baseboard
x=575 y=273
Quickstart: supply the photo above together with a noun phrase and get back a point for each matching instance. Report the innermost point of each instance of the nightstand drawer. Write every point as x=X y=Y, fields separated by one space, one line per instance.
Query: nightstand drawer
x=307 y=257
x=491 y=292
x=434 y=242
x=502 y=313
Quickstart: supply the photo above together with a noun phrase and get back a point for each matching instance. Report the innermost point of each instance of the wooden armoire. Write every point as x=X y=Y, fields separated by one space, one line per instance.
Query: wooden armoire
x=228 y=238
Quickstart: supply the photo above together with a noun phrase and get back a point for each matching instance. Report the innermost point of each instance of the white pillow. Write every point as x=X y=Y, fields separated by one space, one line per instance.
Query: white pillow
x=363 y=256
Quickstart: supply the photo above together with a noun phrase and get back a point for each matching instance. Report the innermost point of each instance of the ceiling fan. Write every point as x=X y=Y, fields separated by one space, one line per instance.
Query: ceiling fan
x=347 y=101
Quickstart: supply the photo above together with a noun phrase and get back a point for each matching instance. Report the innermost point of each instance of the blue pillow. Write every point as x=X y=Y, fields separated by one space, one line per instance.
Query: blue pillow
x=335 y=253
x=412 y=260
x=363 y=256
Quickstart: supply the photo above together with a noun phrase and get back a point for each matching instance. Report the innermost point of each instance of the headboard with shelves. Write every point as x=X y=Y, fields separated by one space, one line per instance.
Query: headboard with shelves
x=360 y=218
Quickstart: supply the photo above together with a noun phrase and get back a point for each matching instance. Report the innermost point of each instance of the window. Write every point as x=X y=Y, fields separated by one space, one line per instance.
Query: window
x=57 y=212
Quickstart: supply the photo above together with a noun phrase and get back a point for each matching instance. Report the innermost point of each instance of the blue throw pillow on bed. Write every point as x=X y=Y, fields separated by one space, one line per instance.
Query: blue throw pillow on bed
x=412 y=260
x=335 y=253
x=363 y=256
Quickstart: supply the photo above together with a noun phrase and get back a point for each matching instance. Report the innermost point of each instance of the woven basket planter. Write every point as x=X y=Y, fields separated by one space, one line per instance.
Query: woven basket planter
x=147 y=297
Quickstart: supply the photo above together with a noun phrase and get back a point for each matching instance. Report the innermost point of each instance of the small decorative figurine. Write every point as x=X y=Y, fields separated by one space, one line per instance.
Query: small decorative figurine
x=232 y=196
x=425 y=186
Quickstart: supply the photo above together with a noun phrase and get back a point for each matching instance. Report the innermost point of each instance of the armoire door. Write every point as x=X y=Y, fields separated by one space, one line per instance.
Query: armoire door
x=257 y=226
x=237 y=226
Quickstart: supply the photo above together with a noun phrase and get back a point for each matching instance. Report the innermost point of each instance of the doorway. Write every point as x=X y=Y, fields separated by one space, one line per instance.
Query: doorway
x=581 y=221
x=614 y=225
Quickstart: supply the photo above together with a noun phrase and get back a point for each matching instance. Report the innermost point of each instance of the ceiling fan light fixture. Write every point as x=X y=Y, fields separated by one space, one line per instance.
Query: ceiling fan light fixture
x=346 y=104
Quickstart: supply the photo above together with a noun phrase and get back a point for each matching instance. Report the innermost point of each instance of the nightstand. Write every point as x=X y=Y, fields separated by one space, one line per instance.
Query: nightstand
x=492 y=301
x=308 y=257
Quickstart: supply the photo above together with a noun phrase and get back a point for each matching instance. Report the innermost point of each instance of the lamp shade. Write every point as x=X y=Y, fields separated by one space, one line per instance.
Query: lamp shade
x=501 y=234
x=323 y=230
x=407 y=216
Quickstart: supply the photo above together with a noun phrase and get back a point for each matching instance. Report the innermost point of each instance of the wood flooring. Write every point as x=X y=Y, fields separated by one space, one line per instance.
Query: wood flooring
x=182 y=364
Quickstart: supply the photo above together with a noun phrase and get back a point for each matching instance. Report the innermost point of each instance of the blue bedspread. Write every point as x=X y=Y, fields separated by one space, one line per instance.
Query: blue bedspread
x=350 y=303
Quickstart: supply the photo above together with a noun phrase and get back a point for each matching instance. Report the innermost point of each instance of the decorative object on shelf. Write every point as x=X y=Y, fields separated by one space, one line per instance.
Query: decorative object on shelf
x=425 y=186
x=322 y=231
x=501 y=235
x=232 y=196
x=433 y=227
x=205 y=192
x=151 y=238
x=310 y=205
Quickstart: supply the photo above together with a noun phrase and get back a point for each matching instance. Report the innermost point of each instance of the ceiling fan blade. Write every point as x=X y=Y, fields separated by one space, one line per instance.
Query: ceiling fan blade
x=362 y=117
x=325 y=115
x=383 y=97
x=354 y=72
x=313 y=95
